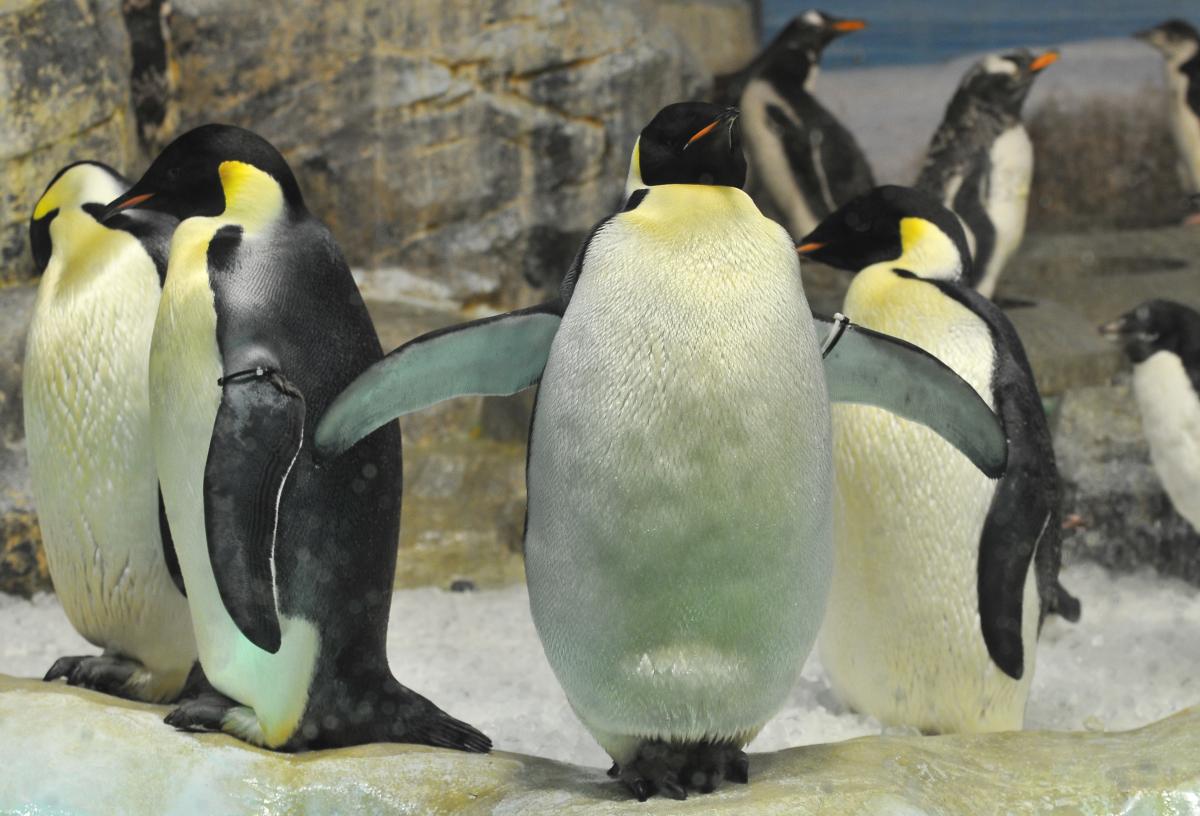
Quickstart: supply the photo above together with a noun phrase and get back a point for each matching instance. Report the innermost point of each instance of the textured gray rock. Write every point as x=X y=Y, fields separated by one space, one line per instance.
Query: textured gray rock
x=78 y=751
x=1122 y=516
x=64 y=95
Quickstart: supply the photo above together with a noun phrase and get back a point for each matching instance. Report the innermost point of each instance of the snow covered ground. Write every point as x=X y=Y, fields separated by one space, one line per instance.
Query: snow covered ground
x=1133 y=659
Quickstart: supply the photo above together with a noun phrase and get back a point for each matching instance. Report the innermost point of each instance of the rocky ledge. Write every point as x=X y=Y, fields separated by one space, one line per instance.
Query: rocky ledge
x=72 y=751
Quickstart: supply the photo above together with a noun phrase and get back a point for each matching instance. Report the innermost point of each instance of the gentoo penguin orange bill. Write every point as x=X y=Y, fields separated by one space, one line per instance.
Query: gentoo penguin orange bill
x=1162 y=339
x=1179 y=43
x=942 y=574
x=87 y=426
x=678 y=541
x=803 y=162
x=980 y=162
x=288 y=565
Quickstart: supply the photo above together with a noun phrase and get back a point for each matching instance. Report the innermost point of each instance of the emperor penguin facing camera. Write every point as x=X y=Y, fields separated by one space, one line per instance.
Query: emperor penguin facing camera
x=87 y=428
x=943 y=574
x=288 y=561
x=678 y=536
x=980 y=161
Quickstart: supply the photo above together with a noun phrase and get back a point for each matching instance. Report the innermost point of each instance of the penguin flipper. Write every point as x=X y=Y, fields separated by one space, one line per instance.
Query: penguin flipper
x=168 y=547
x=495 y=356
x=256 y=438
x=870 y=368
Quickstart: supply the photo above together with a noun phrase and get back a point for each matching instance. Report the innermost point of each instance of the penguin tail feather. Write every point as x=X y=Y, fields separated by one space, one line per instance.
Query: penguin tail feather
x=1064 y=604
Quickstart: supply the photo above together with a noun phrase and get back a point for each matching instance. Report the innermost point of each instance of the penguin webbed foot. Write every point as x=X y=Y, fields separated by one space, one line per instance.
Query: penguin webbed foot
x=671 y=769
x=104 y=673
x=204 y=712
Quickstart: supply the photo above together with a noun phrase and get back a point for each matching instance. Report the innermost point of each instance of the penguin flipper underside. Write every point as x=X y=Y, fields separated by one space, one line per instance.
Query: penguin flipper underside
x=256 y=438
x=495 y=356
x=870 y=368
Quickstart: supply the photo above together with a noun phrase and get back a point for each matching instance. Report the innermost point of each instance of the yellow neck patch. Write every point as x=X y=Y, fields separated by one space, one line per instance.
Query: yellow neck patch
x=928 y=252
x=253 y=198
x=634 y=180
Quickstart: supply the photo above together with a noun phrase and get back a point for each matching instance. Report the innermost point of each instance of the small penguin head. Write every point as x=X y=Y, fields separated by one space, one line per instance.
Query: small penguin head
x=1156 y=325
x=1176 y=40
x=192 y=175
x=813 y=30
x=1001 y=82
x=899 y=225
x=689 y=143
x=88 y=185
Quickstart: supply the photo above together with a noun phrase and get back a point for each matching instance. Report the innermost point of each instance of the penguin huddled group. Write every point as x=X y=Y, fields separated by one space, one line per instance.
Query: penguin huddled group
x=717 y=477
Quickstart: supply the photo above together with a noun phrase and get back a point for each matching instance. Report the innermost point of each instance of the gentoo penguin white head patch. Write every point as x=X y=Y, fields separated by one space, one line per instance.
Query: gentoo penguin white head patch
x=899 y=225
x=1002 y=81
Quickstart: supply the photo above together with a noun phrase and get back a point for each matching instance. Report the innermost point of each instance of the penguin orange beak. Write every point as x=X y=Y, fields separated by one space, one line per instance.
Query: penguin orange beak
x=812 y=246
x=133 y=202
x=1044 y=61
x=702 y=132
x=846 y=26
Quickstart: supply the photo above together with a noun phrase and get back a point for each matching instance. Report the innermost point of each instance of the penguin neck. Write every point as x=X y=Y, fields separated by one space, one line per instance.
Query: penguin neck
x=633 y=181
x=793 y=72
x=82 y=248
x=928 y=252
x=253 y=198
x=1186 y=64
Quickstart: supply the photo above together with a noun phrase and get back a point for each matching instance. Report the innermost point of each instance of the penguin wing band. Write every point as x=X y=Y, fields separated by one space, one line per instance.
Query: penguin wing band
x=870 y=368
x=260 y=426
x=495 y=356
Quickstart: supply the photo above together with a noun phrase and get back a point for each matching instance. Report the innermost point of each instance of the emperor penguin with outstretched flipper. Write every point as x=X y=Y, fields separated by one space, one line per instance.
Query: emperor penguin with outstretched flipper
x=1179 y=43
x=288 y=562
x=942 y=574
x=980 y=162
x=87 y=429
x=1162 y=340
x=678 y=539
x=803 y=162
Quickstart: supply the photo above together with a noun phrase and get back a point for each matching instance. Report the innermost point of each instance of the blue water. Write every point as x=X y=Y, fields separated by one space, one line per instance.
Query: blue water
x=924 y=31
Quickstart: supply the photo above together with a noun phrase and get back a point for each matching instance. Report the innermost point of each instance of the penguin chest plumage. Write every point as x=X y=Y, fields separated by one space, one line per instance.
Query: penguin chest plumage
x=87 y=422
x=185 y=366
x=1185 y=127
x=1171 y=418
x=679 y=494
x=1007 y=198
x=902 y=638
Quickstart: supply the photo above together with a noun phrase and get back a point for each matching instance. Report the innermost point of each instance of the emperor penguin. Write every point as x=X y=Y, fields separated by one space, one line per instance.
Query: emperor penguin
x=1179 y=43
x=87 y=428
x=980 y=162
x=288 y=563
x=678 y=539
x=803 y=163
x=1162 y=339
x=942 y=574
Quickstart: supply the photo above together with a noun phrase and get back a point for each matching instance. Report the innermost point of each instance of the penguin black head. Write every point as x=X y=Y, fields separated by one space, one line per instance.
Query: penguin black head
x=88 y=185
x=1176 y=40
x=899 y=225
x=797 y=48
x=689 y=143
x=1157 y=325
x=1000 y=82
x=190 y=177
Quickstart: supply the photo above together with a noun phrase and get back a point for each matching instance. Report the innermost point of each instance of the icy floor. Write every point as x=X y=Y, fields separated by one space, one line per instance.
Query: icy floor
x=1133 y=659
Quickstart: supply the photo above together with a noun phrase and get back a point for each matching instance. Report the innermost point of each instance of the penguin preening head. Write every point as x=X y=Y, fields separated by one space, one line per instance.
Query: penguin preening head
x=1156 y=325
x=1176 y=40
x=199 y=173
x=1000 y=82
x=689 y=143
x=903 y=226
x=85 y=184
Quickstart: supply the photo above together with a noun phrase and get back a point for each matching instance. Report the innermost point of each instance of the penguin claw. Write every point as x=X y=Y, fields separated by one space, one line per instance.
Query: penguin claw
x=103 y=673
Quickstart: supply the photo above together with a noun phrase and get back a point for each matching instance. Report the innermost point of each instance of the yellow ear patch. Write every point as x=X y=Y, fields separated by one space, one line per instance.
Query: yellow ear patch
x=47 y=204
x=253 y=197
x=912 y=232
x=927 y=251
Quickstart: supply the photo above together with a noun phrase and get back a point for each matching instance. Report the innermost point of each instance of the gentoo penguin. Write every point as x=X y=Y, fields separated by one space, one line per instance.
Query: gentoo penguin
x=942 y=574
x=980 y=162
x=803 y=162
x=1162 y=338
x=678 y=540
x=1179 y=44
x=87 y=426
x=288 y=565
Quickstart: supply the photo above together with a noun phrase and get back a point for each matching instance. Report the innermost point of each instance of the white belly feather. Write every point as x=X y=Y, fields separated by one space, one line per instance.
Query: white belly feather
x=1008 y=200
x=902 y=638
x=1171 y=420
x=768 y=158
x=678 y=547
x=1185 y=127
x=87 y=427
x=185 y=365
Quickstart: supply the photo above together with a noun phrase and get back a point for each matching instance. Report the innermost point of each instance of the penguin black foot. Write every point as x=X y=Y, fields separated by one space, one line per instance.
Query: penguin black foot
x=119 y=676
x=671 y=769
x=204 y=712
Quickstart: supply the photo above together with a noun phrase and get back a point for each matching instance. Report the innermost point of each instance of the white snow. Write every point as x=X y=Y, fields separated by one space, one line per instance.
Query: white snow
x=1133 y=659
